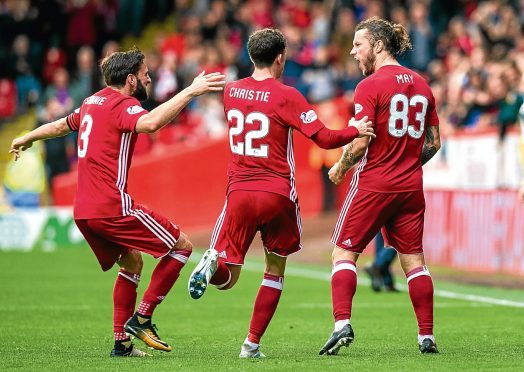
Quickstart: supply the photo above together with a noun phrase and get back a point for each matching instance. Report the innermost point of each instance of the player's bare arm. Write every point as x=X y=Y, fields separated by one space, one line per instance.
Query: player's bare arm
x=351 y=156
x=431 y=144
x=57 y=128
x=166 y=112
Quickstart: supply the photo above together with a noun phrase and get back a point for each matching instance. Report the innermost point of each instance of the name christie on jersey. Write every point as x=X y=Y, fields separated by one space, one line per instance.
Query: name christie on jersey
x=252 y=95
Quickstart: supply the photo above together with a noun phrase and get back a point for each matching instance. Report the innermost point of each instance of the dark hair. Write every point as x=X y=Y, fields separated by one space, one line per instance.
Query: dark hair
x=118 y=65
x=394 y=36
x=265 y=45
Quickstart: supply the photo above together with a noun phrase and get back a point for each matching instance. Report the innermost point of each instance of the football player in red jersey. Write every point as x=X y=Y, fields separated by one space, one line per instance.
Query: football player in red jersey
x=262 y=114
x=116 y=228
x=386 y=187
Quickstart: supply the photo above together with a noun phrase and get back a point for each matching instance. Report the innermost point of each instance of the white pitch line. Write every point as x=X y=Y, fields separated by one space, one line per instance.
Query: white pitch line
x=475 y=298
x=314 y=274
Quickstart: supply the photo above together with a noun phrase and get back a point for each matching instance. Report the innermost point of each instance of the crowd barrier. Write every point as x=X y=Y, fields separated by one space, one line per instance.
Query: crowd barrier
x=475 y=230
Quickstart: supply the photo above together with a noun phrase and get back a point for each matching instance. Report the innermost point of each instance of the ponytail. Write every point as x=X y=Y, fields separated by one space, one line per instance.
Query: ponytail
x=394 y=36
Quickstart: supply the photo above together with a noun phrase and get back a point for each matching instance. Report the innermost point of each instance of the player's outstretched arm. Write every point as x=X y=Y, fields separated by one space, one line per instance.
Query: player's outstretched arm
x=57 y=128
x=431 y=144
x=351 y=156
x=331 y=139
x=167 y=111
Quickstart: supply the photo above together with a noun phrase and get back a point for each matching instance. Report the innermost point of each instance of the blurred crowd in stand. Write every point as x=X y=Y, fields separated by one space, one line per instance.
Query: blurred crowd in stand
x=471 y=52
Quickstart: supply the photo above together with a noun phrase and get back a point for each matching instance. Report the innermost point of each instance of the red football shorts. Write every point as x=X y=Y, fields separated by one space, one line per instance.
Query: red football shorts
x=143 y=230
x=246 y=212
x=365 y=212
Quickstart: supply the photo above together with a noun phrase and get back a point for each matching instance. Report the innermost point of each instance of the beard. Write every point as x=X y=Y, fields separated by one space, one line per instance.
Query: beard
x=140 y=92
x=369 y=64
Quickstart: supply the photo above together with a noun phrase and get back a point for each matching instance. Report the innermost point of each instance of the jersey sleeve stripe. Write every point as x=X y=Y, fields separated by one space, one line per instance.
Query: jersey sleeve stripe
x=68 y=122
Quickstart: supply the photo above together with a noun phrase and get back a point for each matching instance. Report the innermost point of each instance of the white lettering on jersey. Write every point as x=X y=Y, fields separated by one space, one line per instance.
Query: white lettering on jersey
x=95 y=100
x=358 y=108
x=404 y=78
x=251 y=95
x=308 y=117
x=134 y=109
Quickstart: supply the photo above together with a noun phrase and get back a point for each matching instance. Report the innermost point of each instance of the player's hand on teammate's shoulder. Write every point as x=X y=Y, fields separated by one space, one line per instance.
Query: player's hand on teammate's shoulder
x=205 y=83
x=19 y=144
x=364 y=127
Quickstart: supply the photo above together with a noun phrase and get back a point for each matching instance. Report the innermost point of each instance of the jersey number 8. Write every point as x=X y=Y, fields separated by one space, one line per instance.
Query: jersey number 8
x=246 y=148
x=398 y=111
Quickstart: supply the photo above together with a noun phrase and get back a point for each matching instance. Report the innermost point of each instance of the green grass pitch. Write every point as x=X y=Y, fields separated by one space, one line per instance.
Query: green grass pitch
x=56 y=316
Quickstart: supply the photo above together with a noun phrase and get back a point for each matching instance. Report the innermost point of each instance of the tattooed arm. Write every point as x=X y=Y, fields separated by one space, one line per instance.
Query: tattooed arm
x=351 y=156
x=431 y=144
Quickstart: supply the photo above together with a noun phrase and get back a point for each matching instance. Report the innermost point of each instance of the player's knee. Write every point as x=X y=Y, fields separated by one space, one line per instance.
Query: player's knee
x=138 y=262
x=132 y=262
x=341 y=254
x=226 y=287
x=234 y=278
x=183 y=243
x=229 y=285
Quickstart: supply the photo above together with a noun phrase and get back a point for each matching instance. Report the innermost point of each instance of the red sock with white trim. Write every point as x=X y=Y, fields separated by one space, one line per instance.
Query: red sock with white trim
x=124 y=301
x=162 y=280
x=265 y=305
x=222 y=275
x=343 y=288
x=421 y=293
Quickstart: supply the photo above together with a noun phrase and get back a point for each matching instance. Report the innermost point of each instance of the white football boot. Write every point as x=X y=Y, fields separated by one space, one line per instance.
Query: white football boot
x=204 y=270
x=250 y=350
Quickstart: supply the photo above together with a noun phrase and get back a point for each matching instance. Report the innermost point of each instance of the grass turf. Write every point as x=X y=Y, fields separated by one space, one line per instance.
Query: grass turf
x=56 y=311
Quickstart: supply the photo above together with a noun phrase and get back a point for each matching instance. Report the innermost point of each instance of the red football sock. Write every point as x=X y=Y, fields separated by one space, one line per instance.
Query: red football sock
x=343 y=287
x=265 y=305
x=162 y=280
x=421 y=293
x=222 y=276
x=124 y=301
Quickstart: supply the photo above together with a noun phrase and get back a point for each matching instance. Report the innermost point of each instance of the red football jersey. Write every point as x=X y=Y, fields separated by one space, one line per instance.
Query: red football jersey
x=106 y=138
x=261 y=116
x=401 y=106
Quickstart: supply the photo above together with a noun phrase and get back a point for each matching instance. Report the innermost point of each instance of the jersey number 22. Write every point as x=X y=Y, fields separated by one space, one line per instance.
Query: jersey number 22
x=238 y=127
